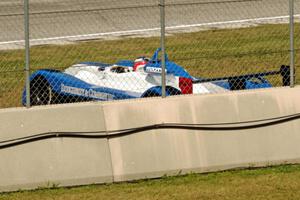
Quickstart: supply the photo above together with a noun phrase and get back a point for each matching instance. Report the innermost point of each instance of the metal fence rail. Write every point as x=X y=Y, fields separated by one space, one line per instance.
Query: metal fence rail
x=210 y=46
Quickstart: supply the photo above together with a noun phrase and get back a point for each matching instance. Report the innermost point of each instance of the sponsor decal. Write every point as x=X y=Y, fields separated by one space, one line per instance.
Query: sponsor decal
x=154 y=70
x=90 y=93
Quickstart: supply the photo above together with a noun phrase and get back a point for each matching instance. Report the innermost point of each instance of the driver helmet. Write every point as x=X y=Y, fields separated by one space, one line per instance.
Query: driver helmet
x=140 y=63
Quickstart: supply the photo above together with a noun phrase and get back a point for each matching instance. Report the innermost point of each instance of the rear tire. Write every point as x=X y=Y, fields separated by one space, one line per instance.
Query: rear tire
x=40 y=92
x=150 y=94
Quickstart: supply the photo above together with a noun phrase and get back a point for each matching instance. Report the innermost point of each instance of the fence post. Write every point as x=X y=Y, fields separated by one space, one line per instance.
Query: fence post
x=292 y=48
x=162 y=44
x=27 y=52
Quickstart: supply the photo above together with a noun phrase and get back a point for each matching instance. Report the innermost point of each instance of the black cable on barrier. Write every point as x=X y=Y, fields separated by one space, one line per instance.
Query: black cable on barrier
x=253 y=124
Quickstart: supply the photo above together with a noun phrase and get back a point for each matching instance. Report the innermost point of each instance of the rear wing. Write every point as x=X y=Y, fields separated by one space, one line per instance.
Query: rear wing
x=239 y=82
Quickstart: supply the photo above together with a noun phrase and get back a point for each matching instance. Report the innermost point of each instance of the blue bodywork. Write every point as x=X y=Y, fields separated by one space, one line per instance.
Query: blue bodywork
x=59 y=81
x=67 y=87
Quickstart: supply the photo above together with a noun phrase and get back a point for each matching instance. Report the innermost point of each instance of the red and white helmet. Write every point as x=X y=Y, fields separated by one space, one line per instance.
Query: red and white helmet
x=140 y=63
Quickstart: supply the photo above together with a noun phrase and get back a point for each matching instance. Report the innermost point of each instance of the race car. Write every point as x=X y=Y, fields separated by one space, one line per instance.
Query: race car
x=126 y=79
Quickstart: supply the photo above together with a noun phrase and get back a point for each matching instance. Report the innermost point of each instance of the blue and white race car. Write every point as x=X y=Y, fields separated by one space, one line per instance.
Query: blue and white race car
x=90 y=81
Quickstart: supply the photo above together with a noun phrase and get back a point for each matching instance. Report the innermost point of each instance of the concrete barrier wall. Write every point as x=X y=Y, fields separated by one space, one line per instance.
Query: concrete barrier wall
x=151 y=153
x=169 y=151
x=57 y=161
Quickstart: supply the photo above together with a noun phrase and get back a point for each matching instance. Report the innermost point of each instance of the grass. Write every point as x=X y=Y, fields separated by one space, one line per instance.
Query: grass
x=211 y=53
x=276 y=183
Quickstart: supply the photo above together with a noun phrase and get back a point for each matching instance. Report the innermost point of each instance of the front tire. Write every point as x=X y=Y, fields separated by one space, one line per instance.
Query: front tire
x=40 y=92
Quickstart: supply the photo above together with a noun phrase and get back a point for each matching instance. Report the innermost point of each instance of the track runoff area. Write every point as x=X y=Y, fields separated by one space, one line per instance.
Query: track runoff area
x=154 y=31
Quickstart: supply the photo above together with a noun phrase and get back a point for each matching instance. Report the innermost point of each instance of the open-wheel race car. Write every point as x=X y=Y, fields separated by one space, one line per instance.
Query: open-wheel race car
x=90 y=81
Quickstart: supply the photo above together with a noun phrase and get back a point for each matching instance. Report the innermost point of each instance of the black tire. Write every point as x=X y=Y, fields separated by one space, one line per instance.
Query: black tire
x=170 y=92
x=40 y=92
x=151 y=94
x=173 y=91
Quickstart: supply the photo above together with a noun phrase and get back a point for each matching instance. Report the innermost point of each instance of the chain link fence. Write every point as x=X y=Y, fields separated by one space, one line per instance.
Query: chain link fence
x=106 y=50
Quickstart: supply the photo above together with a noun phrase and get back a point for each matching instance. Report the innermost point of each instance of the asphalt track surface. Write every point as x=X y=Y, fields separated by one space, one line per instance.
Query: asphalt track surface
x=77 y=19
